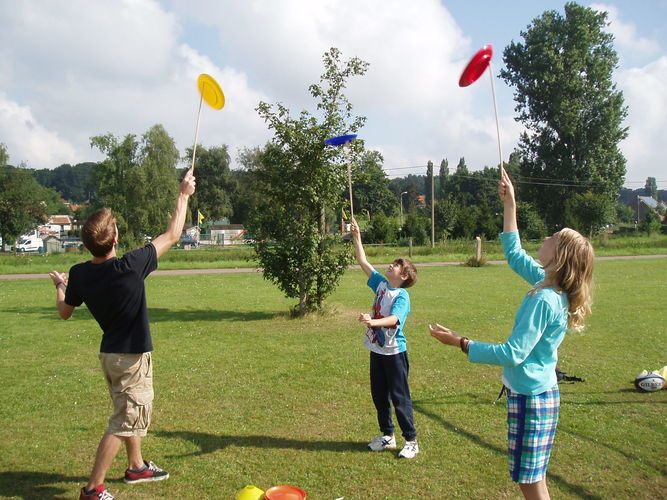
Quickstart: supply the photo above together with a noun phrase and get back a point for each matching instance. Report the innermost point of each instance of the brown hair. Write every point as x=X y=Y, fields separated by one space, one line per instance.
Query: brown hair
x=409 y=269
x=99 y=232
x=571 y=270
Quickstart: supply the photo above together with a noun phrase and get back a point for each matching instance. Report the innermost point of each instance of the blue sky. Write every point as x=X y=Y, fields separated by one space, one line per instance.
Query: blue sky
x=71 y=70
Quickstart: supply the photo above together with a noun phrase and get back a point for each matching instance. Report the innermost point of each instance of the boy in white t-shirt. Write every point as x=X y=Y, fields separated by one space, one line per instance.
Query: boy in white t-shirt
x=386 y=341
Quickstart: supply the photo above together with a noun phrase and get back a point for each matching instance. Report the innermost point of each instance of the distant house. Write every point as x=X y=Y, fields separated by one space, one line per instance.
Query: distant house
x=227 y=234
x=60 y=223
x=45 y=231
x=646 y=203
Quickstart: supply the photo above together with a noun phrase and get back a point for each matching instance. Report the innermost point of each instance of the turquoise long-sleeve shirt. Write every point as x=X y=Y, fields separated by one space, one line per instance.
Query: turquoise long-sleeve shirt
x=530 y=354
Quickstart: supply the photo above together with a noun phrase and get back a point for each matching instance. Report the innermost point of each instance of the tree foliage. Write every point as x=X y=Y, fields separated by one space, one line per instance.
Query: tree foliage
x=651 y=188
x=23 y=202
x=138 y=181
x=214 y=184
x=300 y=182
x=443 y=175
x=569 y=104
x=4 y=156
x=381 y=229
x=371 y=186
x=75 y=183
x=589 y=213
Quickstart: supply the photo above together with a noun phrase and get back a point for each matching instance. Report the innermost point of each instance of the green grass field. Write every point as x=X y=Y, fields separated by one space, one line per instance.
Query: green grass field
x=247 y=395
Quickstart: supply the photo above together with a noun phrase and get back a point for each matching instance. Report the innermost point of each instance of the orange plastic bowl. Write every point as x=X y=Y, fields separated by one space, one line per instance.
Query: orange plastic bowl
x=284 y=493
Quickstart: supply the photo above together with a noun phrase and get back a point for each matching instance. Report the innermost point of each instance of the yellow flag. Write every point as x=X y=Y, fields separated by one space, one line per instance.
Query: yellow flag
x=200 y=217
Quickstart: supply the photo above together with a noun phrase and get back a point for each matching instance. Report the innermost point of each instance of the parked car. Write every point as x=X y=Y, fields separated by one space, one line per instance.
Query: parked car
x=187 y=240
x=30 y=242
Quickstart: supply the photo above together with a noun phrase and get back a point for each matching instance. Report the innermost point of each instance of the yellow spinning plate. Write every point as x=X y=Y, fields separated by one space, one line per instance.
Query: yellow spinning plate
x=210 y=91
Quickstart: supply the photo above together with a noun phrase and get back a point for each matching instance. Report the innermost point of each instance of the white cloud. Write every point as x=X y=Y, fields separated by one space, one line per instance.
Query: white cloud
x=416 y=51
x=645 y=93
x=626 y=37
x=87 y=67
x=29 y=139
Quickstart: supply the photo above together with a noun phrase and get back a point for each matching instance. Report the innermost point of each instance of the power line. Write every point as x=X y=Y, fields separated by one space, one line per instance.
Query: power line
x=532 y=181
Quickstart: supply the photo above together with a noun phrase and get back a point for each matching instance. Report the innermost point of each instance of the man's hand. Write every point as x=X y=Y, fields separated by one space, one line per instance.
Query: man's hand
x=64 y=310
x=58 y=278
x=188 y=182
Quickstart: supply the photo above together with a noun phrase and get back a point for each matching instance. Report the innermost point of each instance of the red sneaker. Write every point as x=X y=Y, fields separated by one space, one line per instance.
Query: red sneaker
x=99 y=493
x=149 y=472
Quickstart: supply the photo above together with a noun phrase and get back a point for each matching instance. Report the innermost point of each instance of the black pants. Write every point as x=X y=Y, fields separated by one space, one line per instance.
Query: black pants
x=389 y=384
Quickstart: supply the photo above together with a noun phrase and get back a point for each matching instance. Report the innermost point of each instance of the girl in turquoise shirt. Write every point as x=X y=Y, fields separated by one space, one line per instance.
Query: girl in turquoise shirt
x=559 y=299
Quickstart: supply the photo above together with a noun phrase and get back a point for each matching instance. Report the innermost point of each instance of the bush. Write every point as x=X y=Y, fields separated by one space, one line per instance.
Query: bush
x=381 y=229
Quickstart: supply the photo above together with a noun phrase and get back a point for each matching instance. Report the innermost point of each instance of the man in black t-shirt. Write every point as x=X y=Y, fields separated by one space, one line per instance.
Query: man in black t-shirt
x=113 y=290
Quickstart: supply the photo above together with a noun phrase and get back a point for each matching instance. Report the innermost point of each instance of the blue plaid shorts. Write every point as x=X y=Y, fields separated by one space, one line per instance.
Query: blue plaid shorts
x=531 y=427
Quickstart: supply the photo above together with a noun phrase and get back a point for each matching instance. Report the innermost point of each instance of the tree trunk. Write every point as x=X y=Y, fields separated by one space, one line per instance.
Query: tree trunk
x=302 y=295
x=320 y=253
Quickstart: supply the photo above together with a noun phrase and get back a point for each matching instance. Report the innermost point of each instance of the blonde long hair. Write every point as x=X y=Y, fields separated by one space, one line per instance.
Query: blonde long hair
x=571 y=270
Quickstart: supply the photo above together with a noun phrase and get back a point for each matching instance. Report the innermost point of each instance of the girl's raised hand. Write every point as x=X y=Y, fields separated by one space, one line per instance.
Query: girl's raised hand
x=506 y=188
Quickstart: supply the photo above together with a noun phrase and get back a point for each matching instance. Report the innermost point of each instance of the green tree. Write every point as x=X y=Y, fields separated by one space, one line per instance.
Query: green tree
x=651 y=188
x=651 y=223
x=624 y=213
x=530 y=224
x=569 y=104
x=158 y=159
x=244 y=194
x=381 y=229
x=442 y=177
x=212 y=198
x=589 y=212
x=300 y=181
x=74 y=183
x=446 y=213
x=4 y=156
x=371 y=186
x=23 y=202
x=138 y=181
x=416 y=228
x=428 y=183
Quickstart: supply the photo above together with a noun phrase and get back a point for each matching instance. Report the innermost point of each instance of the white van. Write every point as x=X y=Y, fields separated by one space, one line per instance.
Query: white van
x=30 y=242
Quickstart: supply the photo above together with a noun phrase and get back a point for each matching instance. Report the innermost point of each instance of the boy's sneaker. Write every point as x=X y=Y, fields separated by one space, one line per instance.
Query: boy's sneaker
x=149 y=472
x=380 y=443
x=99 y=493
x=410 y=449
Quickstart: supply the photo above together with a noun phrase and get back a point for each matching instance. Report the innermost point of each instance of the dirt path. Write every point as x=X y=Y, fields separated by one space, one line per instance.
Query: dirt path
x=249 y=270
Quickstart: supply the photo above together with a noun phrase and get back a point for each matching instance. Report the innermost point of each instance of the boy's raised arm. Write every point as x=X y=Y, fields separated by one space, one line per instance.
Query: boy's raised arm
x=359 y=252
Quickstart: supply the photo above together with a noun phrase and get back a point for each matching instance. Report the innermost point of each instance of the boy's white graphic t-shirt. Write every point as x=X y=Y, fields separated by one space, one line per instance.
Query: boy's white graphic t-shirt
x=388 y=301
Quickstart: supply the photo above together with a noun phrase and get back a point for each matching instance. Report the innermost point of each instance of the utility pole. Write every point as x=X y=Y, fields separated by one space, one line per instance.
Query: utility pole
x=432 y=208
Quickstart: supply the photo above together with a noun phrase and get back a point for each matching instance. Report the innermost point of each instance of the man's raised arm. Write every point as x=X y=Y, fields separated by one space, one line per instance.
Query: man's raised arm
x=173 y=233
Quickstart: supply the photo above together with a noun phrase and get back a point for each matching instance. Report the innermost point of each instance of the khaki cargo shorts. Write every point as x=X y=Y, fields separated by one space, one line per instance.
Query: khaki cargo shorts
x=130 y=381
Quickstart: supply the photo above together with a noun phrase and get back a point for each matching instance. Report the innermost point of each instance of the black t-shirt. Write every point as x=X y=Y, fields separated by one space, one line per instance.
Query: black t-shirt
x=115 y=295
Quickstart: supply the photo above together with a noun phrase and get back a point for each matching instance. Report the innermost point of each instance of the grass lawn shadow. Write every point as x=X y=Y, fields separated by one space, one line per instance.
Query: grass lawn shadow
x=157 y=314
x=34 y=485
x=575 y=489
x=209 y=443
